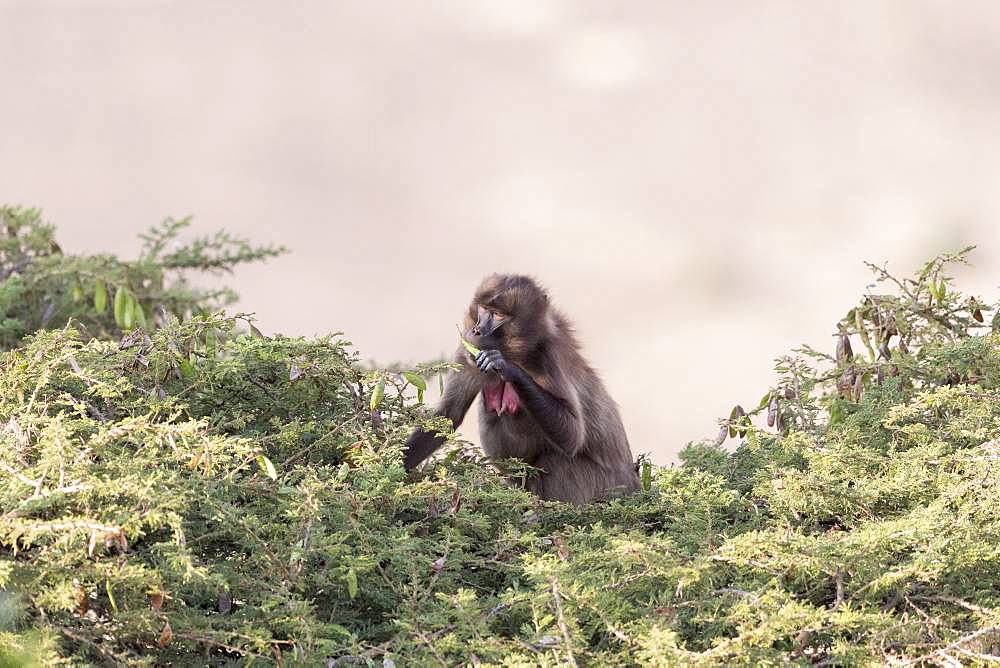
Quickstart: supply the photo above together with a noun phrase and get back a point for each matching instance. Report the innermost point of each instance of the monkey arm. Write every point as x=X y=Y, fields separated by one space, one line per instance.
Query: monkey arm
x=459 y=394
x=558 y=418
x=554 y=415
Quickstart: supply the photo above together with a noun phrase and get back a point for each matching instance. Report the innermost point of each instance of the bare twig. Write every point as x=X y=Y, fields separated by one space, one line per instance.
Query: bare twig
x=430 y=645
x=561 y=620
x=960 y=603
x=956 y=646
x=34 y=484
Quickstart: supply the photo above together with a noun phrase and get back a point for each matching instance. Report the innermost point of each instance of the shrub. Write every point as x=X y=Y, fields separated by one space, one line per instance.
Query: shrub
x=193 y=492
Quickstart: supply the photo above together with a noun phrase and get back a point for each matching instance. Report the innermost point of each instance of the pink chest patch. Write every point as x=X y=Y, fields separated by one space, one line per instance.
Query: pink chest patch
x=501 y=398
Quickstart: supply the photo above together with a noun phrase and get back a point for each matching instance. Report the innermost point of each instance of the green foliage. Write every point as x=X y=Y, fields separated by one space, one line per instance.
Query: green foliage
x=41 y=287
x=188 y=494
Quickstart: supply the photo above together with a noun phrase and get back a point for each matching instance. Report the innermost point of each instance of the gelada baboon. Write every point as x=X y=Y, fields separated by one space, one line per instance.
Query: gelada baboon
x=541 y=401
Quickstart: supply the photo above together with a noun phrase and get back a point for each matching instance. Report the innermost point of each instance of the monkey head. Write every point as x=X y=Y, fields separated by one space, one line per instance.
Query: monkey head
x=509 y=312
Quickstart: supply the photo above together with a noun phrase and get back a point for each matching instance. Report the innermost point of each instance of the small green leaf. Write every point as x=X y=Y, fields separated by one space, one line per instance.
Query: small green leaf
x=267 y=467
x=468 y=346
x=111 y=596
x=420 y=396
x=77 y=293
x=187 y=370
x=416 y=380
x=378 y=394
x=647 y=476
x=765 y=400
x=100 y=297
x=352 y=583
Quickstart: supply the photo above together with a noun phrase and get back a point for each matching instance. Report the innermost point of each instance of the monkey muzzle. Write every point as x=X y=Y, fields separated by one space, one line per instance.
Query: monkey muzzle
x=486 y=326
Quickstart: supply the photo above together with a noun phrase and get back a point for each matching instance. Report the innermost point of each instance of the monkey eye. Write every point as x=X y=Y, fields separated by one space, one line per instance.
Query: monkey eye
x=498 y=316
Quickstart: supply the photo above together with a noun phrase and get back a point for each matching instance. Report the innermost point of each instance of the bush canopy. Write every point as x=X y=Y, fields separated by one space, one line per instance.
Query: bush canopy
x=177 y=488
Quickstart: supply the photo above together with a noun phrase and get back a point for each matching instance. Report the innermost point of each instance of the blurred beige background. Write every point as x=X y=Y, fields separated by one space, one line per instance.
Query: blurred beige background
x=696 y=183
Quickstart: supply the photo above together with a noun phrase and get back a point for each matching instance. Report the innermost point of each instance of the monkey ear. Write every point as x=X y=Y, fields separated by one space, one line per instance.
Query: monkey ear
x=551 y=324
x=541 y=291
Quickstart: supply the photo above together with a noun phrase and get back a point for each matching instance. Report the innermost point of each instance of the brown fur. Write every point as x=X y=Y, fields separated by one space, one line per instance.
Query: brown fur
x=592 y=457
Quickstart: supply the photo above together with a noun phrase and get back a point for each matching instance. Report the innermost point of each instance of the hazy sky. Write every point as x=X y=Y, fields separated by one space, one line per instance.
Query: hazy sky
x=696 y=183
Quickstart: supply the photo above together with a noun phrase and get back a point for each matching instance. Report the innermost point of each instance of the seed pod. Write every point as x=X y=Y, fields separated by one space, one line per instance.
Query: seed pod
x=977 y=314
x=735 y=418
x=883 y=351
x=890 y=326
x=903 y=347
x=121 y=302
x=845 y=384
x=128 y=317
x=80 y=596
x=166 y=635
x=974 y=309
x=789 y=393
x=880 y=375
x=859 y=382
x=772 y=411
x=844 y=352
x=138 y=314
x=100 y=297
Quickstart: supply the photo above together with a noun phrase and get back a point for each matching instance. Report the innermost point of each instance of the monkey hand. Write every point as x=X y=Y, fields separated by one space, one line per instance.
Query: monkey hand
x=493 y=360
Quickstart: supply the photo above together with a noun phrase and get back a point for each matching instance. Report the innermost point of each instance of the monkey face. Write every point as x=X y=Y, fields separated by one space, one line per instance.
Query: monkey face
x=488 y=321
